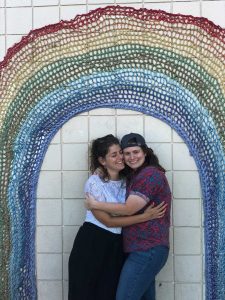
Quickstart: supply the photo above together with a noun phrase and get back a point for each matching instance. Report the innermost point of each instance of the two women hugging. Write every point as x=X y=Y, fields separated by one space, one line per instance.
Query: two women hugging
x=124 y=241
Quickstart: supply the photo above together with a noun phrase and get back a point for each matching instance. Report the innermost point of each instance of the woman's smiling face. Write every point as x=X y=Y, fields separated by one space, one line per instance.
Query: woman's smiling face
x=134 y=157
x=113 y=161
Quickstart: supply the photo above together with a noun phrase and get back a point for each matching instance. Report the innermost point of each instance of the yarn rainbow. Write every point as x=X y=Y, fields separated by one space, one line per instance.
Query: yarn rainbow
x=166 y=65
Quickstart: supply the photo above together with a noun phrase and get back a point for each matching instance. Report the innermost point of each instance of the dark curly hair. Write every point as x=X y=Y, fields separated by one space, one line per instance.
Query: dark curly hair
x=99 y=148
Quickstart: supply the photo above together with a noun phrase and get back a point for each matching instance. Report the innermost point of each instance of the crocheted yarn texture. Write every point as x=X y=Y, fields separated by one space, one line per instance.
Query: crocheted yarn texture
x=168 y=66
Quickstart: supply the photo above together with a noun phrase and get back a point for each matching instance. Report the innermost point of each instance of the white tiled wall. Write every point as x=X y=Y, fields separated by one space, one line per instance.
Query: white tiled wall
x=60 y=208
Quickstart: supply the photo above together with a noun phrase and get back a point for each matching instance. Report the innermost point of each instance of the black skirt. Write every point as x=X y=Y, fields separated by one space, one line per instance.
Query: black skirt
x=95 y=263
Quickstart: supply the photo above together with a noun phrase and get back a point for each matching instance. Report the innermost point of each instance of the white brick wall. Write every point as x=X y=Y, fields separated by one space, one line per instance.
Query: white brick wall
x=60 y=201
x=60 y=208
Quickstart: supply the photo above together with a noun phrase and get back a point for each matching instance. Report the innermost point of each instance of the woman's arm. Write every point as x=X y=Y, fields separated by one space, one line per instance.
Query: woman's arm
x=133 y=204
x=113 y=221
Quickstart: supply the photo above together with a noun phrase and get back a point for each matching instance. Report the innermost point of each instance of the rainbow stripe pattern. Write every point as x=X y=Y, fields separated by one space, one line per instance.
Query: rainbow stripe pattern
x=165 y=65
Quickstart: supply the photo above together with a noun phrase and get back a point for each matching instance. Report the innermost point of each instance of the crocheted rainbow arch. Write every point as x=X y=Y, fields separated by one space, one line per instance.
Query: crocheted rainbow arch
x=168 y=66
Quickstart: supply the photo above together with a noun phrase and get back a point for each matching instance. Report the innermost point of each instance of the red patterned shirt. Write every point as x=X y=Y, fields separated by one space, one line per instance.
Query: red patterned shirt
x=150 y=184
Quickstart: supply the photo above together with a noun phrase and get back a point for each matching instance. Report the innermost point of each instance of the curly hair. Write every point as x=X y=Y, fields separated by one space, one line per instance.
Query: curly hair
x=99 y=148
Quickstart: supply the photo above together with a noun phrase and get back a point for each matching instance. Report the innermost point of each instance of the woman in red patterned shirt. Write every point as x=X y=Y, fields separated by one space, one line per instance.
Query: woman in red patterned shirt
x=147 y=243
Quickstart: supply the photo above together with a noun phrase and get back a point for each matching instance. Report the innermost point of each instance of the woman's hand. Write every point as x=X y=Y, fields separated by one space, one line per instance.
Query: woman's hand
x=155 y=212
x=90 y=202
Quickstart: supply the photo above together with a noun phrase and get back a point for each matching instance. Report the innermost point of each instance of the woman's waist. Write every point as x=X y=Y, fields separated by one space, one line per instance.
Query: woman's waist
x=91 y=219
x=147 y=230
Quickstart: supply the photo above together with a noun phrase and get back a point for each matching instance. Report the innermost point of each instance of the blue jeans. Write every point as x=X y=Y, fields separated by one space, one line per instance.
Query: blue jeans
x=137 y=279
